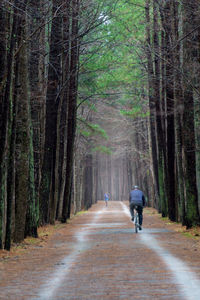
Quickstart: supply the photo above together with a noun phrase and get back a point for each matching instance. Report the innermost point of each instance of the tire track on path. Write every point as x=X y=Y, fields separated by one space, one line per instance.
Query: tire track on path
x=48 y=290
x=186 y=280
x=116 y=265
x=97 y=256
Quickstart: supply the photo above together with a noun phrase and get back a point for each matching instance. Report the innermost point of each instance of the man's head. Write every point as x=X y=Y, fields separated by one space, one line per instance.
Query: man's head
x=135 y=187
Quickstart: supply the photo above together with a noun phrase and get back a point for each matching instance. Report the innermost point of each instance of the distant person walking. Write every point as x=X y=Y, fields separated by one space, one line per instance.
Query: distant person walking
x=106 y=198
x=137 y=201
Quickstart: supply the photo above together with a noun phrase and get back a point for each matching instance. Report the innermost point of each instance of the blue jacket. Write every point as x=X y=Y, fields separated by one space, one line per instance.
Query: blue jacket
x=137 y=197
x=106 y=197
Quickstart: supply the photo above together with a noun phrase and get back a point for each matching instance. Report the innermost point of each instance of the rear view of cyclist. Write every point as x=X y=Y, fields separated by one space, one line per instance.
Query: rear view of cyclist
x=137 y=199
x=106 y=198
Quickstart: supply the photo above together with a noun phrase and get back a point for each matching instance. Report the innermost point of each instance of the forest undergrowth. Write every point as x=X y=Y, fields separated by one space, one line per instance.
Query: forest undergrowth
x=193 y=232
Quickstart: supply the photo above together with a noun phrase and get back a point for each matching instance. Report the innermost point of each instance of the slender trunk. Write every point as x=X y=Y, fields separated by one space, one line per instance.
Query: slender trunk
x=152 y=103
x=71 y=125
x=47 y=186
x=35 y=105
x=196 y=70
x=22 y=133
x=159 y=114
x=168 y=21
x=5 y=119
x=189 y=160
x=178 y=99
x=11 y=171
x=3 y=45
x=6 y=60
x=88 y=181
x=62 y=163
x=163 y=170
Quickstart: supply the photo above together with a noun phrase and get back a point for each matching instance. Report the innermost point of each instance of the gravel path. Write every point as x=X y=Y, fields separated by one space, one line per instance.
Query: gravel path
x=98 y=256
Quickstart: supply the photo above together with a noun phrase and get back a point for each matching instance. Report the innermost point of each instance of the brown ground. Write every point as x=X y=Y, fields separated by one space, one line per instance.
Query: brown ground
x=98 y=256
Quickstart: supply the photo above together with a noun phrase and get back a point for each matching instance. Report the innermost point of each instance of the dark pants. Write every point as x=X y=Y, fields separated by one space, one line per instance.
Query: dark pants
x=139 y=210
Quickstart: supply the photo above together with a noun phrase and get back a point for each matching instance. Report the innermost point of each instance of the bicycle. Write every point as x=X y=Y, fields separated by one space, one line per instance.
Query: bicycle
x=136 y=220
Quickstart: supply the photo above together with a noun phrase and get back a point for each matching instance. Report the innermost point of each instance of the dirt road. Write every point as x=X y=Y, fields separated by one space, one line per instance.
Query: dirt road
x=98 y=256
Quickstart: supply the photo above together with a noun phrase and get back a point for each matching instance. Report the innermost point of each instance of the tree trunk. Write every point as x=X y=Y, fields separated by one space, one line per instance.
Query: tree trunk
x=47 y=186
x=5 y=84
x=22 y=133
x=11 y=170
x=62 y=142
x=72 y=108
x=178 y=99
x=88 y=181
x=189 y=161
x=168 y=21
x=159 y=116
x=196 y=83
x=35 y=104
x=152 y=103
x=6 y=120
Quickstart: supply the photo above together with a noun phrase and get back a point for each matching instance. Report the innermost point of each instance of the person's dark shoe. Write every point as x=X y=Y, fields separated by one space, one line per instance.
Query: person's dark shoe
x=140 y=227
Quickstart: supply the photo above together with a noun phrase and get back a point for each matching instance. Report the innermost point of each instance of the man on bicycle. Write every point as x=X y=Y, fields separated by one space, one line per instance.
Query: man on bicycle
x=137 y=200
x=106 y=198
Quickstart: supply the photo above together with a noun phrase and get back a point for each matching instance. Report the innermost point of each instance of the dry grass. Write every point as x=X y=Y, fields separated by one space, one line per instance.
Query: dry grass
x=176 y=226
x=44 y=234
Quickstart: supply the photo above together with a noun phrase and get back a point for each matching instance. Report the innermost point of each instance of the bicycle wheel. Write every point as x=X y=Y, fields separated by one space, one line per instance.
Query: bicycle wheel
x=136 y=223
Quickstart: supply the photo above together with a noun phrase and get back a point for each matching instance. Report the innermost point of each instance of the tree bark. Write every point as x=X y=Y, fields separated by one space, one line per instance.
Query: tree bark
x=72 y=108
x=62 y=142
x=178 y=99
x=22 y=132
x=152 y=103
x=189 y=160
x=6 y=120
x=4 y=116
x=170 y=135
x=47 y=186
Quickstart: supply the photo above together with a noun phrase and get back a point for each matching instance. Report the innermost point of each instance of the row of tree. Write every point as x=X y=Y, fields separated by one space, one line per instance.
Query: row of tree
x=40 y=47
x=97 y=96
x=173 y=52
x=161 y=148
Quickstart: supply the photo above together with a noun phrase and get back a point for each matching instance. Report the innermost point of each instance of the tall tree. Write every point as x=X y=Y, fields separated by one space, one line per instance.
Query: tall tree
x=178 y=115
x=159 y=114
x=72 y=107
x=63 y=110
x=22 y=127
x=6 y=121
x=3 y=117
x=152 y=93
x=168 y=21
x=47 y=187
x=34 y=24
x=190 y=15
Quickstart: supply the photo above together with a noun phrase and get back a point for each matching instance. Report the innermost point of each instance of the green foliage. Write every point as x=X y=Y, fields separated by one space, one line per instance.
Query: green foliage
x=112 y=67
x=85 y=133
x=102 y=149
x=96 y=129
x=135 y=112
x=92 y=130
x=114 y=56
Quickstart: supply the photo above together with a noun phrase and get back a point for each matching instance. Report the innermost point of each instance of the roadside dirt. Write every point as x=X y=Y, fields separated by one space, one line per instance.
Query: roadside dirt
x=98 y=256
